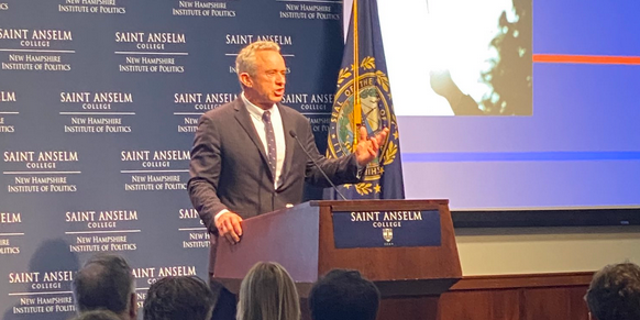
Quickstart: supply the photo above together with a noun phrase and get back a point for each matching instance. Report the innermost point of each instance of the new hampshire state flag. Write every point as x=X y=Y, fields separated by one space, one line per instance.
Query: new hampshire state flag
x=363 y=97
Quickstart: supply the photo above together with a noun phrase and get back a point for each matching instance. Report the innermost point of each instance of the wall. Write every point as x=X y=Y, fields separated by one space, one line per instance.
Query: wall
x=545 y=250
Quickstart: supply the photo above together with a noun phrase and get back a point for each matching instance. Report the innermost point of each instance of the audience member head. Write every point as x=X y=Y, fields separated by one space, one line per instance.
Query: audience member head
x=97 y=315
x=344 y=295
x=267 y=292
x=178 y=298
x=614 y=293
x=106 y=282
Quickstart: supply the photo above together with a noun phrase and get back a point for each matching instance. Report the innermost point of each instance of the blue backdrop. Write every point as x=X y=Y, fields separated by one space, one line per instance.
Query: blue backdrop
x=98 y=105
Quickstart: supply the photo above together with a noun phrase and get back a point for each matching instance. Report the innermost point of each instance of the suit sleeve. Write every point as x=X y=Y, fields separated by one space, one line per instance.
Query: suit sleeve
x=340 y=171
x=204 y=168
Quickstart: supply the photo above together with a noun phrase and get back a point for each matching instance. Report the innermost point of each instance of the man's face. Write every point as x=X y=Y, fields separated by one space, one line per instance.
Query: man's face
x=266 y=87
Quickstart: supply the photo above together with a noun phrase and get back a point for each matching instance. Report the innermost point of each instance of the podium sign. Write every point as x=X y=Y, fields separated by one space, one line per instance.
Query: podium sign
x=394 y=228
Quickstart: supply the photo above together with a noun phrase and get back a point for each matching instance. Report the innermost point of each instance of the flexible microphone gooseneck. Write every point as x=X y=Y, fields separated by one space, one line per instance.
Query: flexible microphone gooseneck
x=295 y=136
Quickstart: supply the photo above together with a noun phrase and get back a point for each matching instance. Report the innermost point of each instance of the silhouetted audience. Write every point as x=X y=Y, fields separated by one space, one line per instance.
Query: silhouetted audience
x=106 y=282
x=97 y=315
x=178 y=298
x=344 y=295
x=268 y=293
x=614 y=293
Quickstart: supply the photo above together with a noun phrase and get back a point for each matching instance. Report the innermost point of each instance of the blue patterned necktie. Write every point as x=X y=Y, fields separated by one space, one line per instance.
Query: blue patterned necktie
x=271 y=141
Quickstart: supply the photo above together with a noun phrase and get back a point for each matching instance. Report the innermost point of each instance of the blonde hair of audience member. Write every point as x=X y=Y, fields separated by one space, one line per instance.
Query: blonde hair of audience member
x=100 y=314
x=268 y=293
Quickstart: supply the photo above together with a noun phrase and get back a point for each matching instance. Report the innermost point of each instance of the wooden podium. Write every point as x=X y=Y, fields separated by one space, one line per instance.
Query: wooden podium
x=301 y=238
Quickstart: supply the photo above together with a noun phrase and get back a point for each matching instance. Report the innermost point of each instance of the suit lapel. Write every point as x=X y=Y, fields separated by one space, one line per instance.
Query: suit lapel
x=244 y=118
x=287 y=124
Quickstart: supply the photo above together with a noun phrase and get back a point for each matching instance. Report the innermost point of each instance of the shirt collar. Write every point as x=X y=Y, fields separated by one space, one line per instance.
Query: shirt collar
x=256 y=111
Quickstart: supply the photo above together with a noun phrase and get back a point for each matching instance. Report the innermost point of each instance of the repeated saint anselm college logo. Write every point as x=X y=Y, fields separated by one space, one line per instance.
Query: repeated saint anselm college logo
x=375 y=100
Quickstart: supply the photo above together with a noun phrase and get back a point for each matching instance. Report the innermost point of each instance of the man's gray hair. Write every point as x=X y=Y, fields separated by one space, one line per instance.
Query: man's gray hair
x=246 y=60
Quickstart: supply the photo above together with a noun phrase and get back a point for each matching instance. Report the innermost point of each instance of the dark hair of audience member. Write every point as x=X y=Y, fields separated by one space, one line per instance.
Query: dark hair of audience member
x=97 y=315
x=178 y=298
x=344 y=295
x=105 y=282
x=268 y=292
x=614 y=293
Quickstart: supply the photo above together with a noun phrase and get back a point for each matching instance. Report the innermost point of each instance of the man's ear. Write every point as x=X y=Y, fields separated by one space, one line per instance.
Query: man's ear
x=246 y=80
x=133 y=310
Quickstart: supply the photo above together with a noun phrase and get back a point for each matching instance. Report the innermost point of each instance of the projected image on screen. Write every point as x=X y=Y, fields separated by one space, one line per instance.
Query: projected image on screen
x=484 y=55
x=476 y=56
x=578 y=146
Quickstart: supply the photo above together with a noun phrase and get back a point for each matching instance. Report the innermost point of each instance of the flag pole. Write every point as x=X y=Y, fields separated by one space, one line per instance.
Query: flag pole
x=357 y=107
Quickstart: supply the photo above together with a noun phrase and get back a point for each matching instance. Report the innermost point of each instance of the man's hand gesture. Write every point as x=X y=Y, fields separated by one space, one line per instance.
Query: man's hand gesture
x=367 y=148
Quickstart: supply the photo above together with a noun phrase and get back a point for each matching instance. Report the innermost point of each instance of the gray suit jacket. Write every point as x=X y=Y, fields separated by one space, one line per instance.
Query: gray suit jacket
x=229 y=167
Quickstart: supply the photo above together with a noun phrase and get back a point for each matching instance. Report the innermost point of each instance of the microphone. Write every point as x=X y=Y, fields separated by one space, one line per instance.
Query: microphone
x=295 y=136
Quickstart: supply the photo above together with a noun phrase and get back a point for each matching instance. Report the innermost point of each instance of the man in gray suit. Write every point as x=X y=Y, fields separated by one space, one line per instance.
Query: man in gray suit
x=245 y=161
